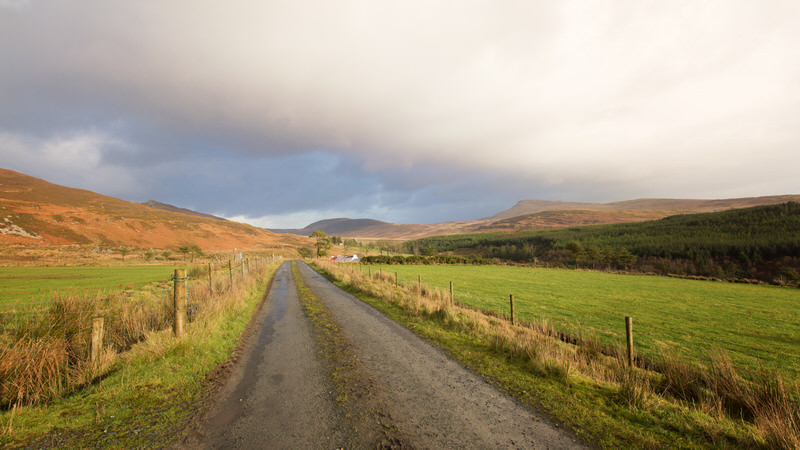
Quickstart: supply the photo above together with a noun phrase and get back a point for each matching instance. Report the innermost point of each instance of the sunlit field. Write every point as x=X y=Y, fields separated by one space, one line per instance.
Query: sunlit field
x=754 y=325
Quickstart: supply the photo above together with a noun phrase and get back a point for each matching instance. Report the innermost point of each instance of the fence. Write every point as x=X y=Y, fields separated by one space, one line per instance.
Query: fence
x=511 y=317
x=63 y=341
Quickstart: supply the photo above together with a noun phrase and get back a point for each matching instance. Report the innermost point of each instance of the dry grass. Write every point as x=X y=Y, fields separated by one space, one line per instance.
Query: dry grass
x=766 y=399
x=44 y=353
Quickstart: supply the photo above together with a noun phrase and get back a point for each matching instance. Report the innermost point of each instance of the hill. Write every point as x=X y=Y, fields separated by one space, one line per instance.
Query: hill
x=526 y=207
x=336 y=227
x=376 y=229
x=35 y=211
x=536 y=215
x=756 y=243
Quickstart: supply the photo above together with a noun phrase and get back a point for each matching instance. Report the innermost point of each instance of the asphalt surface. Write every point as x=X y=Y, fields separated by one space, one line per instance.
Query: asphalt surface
x=280 y=395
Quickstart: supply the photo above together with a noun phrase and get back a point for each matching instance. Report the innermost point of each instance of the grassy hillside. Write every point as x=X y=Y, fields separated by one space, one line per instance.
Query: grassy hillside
x=760 y=242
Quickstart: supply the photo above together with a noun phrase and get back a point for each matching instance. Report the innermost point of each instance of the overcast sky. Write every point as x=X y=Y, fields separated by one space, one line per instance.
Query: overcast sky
x=283 y=113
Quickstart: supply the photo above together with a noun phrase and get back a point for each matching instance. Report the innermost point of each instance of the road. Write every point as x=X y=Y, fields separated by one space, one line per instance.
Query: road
x=280 y=393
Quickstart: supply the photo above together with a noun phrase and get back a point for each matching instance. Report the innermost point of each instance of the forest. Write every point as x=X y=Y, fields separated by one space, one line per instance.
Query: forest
x=751 y=244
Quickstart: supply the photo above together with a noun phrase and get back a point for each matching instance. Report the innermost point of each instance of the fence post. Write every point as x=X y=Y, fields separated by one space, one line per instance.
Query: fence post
x=210 y=279
x=511 y=301
x=452 y=299
x=396 y=282
x=419 y=283
x=629 y=336
x=242 y=262
x=179 y=302
x=97 y=338
x=230 y=271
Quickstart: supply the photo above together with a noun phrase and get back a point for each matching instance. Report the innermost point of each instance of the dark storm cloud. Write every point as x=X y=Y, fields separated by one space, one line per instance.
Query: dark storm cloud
x=411 y=111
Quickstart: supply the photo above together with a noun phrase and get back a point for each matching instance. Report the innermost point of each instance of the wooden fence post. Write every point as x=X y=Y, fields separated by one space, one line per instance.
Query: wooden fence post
x=629 y=338
x=242 y=262
x=452 y=299
x=419 y=283
x=97 y=338
x=396 y=282
x=210 y=279
x=511 y=301
x=230 y=271
x=179 y=302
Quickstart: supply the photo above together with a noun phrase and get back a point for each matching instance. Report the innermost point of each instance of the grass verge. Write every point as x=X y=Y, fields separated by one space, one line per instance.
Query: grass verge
x=151 y=391
x=593 y=394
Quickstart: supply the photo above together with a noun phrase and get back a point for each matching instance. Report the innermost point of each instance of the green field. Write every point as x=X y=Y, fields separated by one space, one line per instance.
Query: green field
x=754 y=325
x=34 y=284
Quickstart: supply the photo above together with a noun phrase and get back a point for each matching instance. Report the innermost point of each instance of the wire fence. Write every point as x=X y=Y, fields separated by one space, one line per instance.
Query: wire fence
x=64 y=340
x=37 y=317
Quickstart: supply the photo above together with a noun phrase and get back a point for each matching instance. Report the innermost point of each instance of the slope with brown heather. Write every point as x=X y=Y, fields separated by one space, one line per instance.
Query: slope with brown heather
x=33 y=211
x=669 y=205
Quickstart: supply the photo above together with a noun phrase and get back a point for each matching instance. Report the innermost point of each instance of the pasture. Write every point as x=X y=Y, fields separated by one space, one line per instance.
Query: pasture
x=36 y=284
x=755 y=325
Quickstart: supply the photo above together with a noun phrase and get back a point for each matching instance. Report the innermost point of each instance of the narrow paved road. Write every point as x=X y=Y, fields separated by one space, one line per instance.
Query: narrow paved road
x=281 y=397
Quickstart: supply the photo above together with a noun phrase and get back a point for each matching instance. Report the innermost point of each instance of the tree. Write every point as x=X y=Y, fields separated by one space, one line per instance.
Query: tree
x=123 y=251
x=148 y=255
x=305 y=252
x=190 y=249
x=184 y=248
x=322 y=243
x=195 y=250
x=577 y=251
x=625 y=258
x=786 y=276
x=429 y=251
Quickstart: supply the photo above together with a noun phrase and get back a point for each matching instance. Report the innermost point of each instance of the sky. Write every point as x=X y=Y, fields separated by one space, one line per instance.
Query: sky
x=283 y=113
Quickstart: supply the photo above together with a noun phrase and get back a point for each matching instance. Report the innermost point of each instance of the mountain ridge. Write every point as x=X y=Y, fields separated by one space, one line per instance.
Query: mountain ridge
x=78 y=216
x=35 y=211
x=524 y=207
x=538 y=214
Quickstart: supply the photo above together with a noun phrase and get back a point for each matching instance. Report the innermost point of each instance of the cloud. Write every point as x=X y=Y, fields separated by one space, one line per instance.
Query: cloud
x=569 y=99
x=73 y=159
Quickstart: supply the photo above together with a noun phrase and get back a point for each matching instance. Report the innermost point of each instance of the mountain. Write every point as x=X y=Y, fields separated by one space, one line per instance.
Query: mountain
x=672 y=206
x=376 y=229
x=336 y=227
x=172 y=208
x=538 y=215
x=33 y=211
